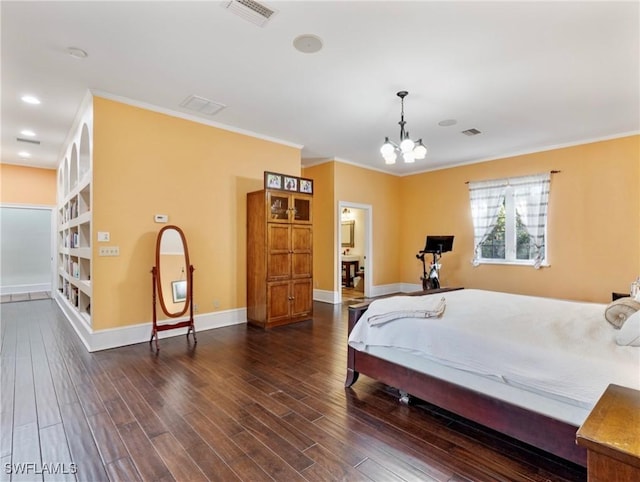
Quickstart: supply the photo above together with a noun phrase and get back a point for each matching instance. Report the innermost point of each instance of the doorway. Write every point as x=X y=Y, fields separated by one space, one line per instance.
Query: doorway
x=354 y=251
x=27 y=247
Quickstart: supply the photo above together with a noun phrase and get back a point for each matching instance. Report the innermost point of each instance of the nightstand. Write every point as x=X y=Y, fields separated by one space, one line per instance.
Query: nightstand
x=611 y=436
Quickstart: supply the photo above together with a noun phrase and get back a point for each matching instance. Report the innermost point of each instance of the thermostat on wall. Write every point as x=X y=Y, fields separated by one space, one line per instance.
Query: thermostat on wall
x=161 y=218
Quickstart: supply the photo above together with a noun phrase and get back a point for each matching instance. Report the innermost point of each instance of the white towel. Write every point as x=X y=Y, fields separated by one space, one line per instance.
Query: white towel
x=435 y=309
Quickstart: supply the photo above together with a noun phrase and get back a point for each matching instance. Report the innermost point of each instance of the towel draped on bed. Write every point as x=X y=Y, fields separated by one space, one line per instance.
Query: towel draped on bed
x=430 y=308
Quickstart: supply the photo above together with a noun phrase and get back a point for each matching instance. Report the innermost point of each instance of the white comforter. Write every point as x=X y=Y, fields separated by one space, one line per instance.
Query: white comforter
x=564 y=349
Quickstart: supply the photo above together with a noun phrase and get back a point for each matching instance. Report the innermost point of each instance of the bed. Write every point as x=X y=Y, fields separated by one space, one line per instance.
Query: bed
x=562 y=356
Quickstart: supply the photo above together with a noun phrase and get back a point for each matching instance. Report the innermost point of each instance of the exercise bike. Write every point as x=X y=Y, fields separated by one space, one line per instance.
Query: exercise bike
x=430 y=281
x=435 y=245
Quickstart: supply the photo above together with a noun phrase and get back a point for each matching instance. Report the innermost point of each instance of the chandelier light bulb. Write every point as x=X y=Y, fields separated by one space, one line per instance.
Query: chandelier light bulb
x=390 y=158
x=387 y=148
x=406 y=145
x=408 y=157
x=420 y=152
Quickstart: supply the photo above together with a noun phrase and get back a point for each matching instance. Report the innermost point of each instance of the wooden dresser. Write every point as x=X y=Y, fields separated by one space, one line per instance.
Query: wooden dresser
x=611 y=435
x=279 y=258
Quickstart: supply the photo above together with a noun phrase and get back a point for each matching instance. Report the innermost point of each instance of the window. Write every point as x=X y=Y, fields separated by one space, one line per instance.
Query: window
x=510 y=219
x=509 y=239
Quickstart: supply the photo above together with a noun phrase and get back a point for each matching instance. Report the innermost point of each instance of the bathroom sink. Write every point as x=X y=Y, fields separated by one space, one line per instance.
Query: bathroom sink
x=350 y=257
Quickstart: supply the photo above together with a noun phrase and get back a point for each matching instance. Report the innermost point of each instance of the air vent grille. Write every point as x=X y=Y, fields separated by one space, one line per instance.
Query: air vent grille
x=471 y=132
x=29 y=141
x=250 y=10
x=202 y=105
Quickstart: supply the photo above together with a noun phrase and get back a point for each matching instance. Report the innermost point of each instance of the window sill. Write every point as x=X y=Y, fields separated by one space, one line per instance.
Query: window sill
x=512 y=263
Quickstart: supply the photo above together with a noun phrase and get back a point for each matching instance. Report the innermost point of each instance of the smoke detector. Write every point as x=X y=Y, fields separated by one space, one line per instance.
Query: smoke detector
x=308 y=43
x=250 y=10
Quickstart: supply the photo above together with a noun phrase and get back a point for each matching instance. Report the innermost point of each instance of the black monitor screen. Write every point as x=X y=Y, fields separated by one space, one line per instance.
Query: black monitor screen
x=438 y=244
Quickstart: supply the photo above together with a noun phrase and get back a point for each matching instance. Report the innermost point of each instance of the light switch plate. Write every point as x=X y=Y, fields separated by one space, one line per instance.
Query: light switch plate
x=103 y=236
x=161 y=218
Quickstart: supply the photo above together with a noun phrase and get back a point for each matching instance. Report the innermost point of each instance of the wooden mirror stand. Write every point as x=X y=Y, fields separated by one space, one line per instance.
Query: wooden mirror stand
x=172 y=282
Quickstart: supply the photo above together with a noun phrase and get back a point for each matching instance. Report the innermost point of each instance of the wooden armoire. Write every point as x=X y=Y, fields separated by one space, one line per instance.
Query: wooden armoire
x=279 y=257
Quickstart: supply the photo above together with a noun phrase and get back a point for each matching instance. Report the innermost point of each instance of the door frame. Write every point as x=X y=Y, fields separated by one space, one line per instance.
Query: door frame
x=368 y=248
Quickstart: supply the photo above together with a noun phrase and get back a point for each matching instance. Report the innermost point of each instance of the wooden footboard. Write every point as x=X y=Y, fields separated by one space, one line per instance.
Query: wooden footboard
x=548 y=434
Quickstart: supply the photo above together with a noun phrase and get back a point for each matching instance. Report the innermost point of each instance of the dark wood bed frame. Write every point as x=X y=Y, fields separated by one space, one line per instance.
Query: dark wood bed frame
x=548 y=434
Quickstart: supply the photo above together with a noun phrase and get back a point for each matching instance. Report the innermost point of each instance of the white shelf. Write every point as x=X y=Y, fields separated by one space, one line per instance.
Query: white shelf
x=81 y=219
x=82 y=285
x=74 y=215
x=80 y=252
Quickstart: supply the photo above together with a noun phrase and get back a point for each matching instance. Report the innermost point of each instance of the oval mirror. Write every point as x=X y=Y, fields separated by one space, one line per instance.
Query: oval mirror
x=172 y=263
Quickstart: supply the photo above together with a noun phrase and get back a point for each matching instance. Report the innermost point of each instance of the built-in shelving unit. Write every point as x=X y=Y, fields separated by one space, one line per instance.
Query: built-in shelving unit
x=74 y=235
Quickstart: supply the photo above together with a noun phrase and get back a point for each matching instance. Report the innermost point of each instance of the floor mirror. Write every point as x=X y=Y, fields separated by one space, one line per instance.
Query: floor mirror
x=172 y=283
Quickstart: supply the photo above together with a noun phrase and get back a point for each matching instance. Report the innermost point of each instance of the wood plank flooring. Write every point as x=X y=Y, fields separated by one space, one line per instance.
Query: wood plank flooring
x=244 y=404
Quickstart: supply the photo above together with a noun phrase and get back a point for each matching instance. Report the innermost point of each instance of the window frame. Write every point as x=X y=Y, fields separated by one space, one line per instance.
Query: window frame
x=510 y=234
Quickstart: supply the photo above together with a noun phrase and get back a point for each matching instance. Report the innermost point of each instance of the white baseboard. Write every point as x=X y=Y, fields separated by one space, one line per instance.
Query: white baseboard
x=382 y=290
x=410 y=287
x=95 y=340
x=325 y=296
x=19 y=289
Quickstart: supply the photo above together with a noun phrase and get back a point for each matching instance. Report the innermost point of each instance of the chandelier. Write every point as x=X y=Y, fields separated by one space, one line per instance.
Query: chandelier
x=409 y=150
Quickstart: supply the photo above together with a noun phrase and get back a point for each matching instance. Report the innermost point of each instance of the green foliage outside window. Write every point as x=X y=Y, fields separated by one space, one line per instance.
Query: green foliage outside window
x=494 y=246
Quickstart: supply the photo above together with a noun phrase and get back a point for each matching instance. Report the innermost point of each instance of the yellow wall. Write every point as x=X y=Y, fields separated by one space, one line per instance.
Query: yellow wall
x=27 y=185
x=146 y=163
x=363 y=186
x=324 y=235
x=593 y=225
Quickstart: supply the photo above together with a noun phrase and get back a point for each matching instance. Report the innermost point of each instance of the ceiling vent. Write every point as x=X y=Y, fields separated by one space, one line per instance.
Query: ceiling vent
x=252 y=11
x=471 y=132
x=29 y=141
x=202 y=105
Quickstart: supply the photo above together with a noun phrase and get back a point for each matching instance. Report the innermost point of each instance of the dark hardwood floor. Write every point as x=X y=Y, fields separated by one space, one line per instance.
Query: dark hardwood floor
x=244 y=404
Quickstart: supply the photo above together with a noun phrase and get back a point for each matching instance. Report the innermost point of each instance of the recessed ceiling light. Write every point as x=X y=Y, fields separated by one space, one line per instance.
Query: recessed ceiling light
x=77 y=53
x=30 y=99
x=27 y=133
x=307 y=43
x=447 y=122
x=24 y=155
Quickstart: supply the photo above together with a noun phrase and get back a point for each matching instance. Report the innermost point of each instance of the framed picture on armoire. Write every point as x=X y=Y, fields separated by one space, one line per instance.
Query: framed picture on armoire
x=272 y=180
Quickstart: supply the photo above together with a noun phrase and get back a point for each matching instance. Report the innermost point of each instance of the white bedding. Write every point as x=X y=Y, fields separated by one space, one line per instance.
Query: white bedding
x=565 y=350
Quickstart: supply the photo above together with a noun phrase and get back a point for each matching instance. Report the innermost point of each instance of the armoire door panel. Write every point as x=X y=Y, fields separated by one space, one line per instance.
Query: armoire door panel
x=278 y=266
x=278 y=302
x=301 y=265
x=302 y=294
x=301 y=239
x=302 y=209
x=278 y=237
x=278 y=207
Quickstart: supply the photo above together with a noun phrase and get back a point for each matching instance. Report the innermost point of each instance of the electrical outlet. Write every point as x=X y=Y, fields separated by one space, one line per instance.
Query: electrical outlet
x=195 y=307
x=109 y=251
x=216 y=304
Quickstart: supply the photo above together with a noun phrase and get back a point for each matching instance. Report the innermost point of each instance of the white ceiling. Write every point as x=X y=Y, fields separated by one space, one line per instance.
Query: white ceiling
x=528 y=75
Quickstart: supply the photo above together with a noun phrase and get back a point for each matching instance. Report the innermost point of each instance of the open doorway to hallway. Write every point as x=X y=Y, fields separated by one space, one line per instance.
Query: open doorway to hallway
x=354 y=250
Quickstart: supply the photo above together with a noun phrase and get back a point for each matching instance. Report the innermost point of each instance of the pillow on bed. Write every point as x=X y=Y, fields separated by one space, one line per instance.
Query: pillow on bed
x=621 y=309
x=629 y=334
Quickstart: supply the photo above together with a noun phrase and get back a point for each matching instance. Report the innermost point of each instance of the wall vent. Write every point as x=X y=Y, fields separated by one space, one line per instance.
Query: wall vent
x=471 y=132
x=29 y=141
x=202 y=105
x=250 y=10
